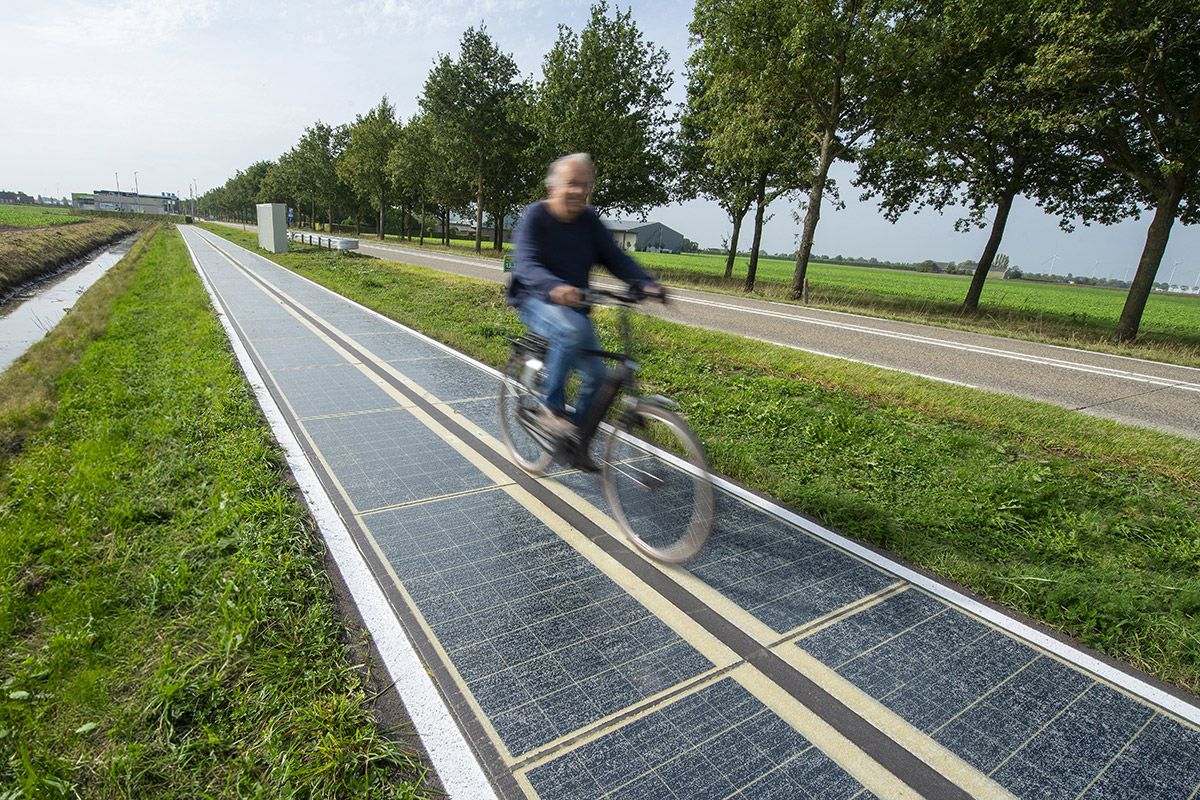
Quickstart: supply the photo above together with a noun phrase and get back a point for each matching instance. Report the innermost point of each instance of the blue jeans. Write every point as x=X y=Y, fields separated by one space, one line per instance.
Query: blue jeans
x=569 y=332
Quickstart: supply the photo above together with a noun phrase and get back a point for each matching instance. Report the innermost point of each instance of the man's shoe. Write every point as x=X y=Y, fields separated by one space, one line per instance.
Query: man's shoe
x=583 y=461
x=553 y=423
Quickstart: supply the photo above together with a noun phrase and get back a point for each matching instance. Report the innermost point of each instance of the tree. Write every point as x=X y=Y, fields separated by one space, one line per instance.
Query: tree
x=316 y=155
x=957 y=121
x=806 y=61
x=1128 y=78
x=475 y=102
x=604 y=92
x=364 y=163
x=757 y=140
x=730 y=183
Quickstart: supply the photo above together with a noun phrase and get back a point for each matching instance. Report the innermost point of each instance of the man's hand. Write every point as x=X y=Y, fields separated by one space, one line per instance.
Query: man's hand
x=566 y=295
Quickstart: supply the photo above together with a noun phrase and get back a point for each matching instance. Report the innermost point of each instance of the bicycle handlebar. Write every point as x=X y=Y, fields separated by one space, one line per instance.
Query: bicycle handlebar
x=629 y=297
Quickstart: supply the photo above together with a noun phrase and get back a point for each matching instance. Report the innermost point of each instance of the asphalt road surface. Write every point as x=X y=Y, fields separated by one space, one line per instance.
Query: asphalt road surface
x=1129 y=390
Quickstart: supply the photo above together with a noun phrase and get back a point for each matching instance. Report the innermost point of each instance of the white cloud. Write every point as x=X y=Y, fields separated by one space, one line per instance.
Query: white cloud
x=138 y=25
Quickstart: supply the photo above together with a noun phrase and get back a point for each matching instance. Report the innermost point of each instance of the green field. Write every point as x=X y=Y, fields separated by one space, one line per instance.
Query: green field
x=1081 y=316
x=37 y=216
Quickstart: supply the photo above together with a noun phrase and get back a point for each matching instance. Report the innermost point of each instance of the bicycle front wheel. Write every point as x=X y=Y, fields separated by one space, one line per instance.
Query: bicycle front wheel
x=658 y=485
x=526 y=443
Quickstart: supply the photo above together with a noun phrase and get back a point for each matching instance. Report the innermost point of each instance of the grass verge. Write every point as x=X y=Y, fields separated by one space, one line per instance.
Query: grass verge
x=166 y=625
x=27 y=254
x=1087 y=525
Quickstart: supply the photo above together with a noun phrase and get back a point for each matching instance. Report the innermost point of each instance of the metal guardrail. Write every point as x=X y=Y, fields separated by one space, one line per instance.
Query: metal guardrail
x=320 y=240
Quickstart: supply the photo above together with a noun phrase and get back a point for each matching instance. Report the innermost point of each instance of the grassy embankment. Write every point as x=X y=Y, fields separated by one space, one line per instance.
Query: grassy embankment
x=1088 y=525
x=1073 y=316
x=166 y=624
x=45 y=238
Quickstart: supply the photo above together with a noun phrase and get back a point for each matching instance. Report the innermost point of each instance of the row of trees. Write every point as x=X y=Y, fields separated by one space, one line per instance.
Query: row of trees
x=483 y=136
x=1090 y=108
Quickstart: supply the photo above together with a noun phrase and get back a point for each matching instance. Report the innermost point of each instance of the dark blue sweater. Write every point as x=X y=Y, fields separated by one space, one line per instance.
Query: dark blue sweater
x=548 y=252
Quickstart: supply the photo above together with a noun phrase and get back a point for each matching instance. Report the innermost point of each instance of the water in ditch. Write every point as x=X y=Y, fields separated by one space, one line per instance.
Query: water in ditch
x=34 y=311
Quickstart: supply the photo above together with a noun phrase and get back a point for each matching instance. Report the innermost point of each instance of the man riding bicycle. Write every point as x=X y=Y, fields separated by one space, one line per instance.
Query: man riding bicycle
x=555 y=244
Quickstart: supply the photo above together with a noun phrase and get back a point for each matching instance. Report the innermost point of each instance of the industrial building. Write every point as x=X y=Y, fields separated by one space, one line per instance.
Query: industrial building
x=129 y=202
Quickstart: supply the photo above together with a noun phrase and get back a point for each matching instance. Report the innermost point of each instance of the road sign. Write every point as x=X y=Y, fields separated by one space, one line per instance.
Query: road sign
x=508 y=262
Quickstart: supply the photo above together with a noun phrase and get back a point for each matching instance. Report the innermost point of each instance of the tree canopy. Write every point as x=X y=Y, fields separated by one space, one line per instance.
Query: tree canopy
x=604 y=92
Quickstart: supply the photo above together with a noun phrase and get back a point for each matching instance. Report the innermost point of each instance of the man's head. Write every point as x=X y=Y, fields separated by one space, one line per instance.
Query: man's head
x=568 y=184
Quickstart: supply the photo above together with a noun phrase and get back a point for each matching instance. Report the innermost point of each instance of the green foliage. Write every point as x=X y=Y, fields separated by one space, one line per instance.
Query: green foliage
x=1127 y=81
x=478 y=115
x=36 y=216
x=805 y=62
x=166 y=626
x=363 y=164
x=604 y=92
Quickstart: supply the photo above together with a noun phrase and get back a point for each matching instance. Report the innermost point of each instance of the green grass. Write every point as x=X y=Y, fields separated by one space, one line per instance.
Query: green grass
x=166 y=624
x=36 y=216
x=1086 y=524
x=30 y=253
x=1077 y=316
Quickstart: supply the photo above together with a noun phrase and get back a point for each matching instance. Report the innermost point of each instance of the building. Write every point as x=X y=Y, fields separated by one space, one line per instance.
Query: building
x=654 y=237
x=645 y=237
x=130 y=202
x=624 y=234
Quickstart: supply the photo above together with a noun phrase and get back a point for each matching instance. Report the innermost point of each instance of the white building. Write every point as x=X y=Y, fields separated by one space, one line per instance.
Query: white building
x=130 y=202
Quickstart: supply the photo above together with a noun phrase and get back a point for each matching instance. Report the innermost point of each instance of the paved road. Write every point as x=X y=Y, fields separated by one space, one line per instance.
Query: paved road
x=540 y=656
x=1128 y=390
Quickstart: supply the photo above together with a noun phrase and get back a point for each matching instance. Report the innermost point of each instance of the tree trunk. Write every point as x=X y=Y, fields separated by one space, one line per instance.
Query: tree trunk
x=752 y=270
x=312 y=212
x=1152 y=253
x=479 y=212
x=812 y=215
x=992 y=246
x=421 y=225
x=737 y=217
x=381 y=194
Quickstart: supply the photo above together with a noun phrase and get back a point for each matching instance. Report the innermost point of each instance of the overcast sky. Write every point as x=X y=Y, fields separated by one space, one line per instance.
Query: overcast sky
x=177 y=91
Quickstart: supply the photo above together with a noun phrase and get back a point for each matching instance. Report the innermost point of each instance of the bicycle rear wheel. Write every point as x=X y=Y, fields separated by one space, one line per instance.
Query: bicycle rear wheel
x=658 y=484
x=529 y=447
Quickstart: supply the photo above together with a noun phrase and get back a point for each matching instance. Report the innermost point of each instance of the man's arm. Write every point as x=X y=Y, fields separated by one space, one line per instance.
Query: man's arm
x=618 y=262
x=527 y=265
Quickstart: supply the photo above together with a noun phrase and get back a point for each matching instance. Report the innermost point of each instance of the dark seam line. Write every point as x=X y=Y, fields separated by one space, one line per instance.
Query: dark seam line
x=485 y=751
x=890 y=754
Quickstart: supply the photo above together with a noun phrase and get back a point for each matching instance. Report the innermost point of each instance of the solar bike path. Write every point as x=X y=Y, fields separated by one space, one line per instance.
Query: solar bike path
x=785 y=662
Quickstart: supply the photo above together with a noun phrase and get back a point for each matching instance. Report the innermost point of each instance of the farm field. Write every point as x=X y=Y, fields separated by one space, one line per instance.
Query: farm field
x=37 y=216
x=1073 y=315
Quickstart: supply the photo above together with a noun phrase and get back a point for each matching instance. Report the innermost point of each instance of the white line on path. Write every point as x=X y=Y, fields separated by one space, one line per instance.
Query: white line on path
x=455 y=764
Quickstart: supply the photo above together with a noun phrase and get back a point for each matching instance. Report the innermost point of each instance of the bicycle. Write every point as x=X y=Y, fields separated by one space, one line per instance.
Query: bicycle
x=654 y=472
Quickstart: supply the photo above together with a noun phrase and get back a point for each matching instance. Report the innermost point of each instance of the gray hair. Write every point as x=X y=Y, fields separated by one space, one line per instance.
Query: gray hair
x=558 y=164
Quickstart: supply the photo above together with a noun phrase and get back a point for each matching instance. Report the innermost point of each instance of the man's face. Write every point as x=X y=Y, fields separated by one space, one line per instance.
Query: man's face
x=570 y=192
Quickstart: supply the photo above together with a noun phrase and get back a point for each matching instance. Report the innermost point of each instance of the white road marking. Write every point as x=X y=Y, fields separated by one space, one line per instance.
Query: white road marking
x=452 y=758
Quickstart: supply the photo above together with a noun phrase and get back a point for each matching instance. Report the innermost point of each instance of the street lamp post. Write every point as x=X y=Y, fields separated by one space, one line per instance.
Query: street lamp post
x=135 y=190
x=118 y=178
